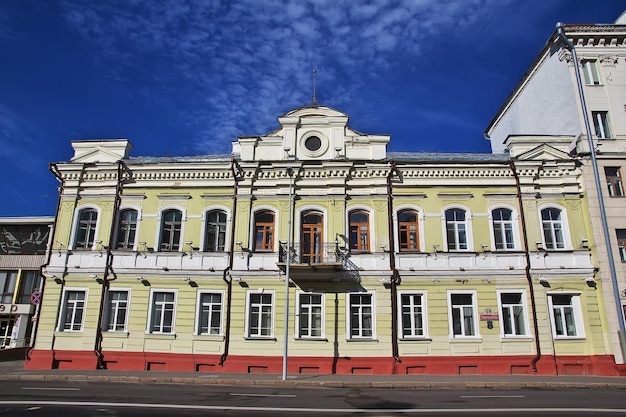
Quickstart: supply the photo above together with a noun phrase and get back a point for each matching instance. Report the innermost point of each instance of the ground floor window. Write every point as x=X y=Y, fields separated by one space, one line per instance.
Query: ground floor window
x=361 y=315
x=73 y=310
x=310 y=315
x=260 y=314
x=116 y=310
x=512 y=313
x=566 y=315
x=209 y=313
x=413 y=314
x=462 y=310
x=162 y=310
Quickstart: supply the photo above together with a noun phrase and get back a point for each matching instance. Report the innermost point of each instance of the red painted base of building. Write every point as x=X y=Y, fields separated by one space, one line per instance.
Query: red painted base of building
x=504 y=365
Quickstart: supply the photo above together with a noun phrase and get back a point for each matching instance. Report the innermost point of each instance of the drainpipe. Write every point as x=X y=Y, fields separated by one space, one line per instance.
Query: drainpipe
x=229 y=280
x=108 y=266
x=395 y=277
x=621 y=334
x=531 y=288
x=57 y=174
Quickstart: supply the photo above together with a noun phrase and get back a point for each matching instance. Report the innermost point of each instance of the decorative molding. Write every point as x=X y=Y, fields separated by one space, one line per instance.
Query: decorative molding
x=173 y=196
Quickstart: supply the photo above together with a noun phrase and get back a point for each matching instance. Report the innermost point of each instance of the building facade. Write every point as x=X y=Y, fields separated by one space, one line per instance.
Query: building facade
x=23 y=252
x=387 y=262
x=546 y=103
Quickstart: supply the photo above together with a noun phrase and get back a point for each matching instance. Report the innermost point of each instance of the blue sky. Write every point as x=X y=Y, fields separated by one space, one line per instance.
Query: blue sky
x=186 y=77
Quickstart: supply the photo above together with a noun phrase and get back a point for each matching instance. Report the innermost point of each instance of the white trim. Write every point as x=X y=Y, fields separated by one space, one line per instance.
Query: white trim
x=61 y=318
x=247 y=334
x=151 y=304
x=297 y=320
x=196 y=323
x=424 y=304
x=474 y=313
x=578 y=316
x=567 y=241
x=526 y=334
x=468 y=227
x=229 y=225
x=515 y=219
x=349 y=316
x=77 y=210
x=159 y=226
x=324 y=143
x=420 y=225
x=107 y=310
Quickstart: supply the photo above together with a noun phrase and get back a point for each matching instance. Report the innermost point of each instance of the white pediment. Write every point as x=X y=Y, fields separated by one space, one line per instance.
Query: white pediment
x=544 y=152
x=111 y=150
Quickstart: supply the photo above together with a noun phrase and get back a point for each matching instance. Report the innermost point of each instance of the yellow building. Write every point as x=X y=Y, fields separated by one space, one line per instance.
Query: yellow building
x=397 y=262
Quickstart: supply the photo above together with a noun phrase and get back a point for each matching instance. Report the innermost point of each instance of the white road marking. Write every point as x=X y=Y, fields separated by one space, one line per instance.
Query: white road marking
x=263 y=395
x=493 y=396
x=51 y=389
x=500 y=411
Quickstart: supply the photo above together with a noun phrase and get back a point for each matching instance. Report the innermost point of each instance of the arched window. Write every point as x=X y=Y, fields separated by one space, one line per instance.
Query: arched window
x=408 y=230
x=502 y=222
x=215 y=231
x=171 y=223
x=264 y=231
x=312 y=237
x=126 y=229
x=86 y=228
x=359 y=231
x=552 y=222
x=456 y=229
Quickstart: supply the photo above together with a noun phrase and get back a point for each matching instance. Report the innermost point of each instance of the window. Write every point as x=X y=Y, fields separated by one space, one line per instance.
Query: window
x=502 y=220
x=463 y=313
x=264 y=231
x=552 y=228
x=162 y=309
x=72 y=315
x=590 y=70
x=361 y=316
x=260 y=314
x=614 y=182
x=359 y=231
x=566 y=315
x=413 y=315
x=310 y=315
x=215 y=231
x=209 y=313
x=126 y=229
x=621 y=243
x=171 y=224
x=456 y=229
x=311 y=247
x=408 y=230
x=601 y=124
x=29 y=283
x=116 y=311
x=8 y=279
x=86 y=229
x=512 y=313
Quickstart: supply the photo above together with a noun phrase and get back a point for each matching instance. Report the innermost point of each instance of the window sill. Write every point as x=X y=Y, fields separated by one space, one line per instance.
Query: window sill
x=466 y=339
x=366 y=340
x=508 y=339
x=163 y=336
x=112 y=334
x=415 y=339
x=568 y=338
x=209 y=337
x=67 y=333
x=261 y=338
x=311 y=339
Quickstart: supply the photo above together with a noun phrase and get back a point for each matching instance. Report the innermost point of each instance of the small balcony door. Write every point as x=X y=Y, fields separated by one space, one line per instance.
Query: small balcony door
x=312 y=237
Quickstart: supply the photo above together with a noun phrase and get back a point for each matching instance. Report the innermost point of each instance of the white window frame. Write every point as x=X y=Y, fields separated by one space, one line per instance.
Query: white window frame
x=159 y=224
x=349 y=335
x=590 y=71
x=476 y=334
x=117 y=228
x=151 y=307
x=423 y=306
x=514 y=222
x=501 y=308
x=249 y=312
x=577 y=315
x=564 y=227
x=64 y=307
x=602 y=124
x=420 y=225
x=299 y=305
x=75 y=226
x=204 y=226
x=199 y=313
x=110 y=309
x=468 y=229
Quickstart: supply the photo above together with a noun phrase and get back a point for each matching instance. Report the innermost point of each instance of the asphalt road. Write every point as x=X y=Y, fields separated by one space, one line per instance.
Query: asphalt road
x=83 y=398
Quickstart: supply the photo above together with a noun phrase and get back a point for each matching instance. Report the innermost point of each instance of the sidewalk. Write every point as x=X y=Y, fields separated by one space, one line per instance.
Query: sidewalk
x=14 y=370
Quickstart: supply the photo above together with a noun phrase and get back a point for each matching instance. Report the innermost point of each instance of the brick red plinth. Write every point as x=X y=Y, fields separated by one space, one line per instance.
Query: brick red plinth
x=453 y=365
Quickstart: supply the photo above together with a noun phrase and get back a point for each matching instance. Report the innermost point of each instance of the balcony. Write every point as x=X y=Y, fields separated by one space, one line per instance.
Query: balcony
x=323 y=262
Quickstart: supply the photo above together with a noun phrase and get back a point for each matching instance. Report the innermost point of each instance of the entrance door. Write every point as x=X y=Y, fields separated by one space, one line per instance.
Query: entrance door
x=6 y=328
x=312 y=237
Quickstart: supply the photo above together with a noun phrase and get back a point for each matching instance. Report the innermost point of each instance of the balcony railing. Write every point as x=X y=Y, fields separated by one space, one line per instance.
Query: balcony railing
x=311 y=254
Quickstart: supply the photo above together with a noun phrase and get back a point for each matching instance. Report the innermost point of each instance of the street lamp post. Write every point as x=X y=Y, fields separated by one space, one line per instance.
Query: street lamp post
x=286 y=332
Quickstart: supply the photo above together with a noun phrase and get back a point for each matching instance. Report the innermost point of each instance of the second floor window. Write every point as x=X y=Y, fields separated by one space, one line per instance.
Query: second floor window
x=8 y=279
x=171 y=224
x=264 y=231
x=552 y=228
x=408 y=230
x=126 y=230
x=359 y=231
x=601 y=124
x=215 y=234
x=621 y=243
x=456 y=229
x=614 y=181
x=590 y=71
x=503 y=228
x=86 y=229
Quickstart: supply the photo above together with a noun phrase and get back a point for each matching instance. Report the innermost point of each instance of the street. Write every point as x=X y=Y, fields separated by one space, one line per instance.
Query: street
x=89 y=398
